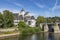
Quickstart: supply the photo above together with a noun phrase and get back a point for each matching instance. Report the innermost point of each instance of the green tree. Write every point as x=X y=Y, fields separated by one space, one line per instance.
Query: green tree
x=8 y=18
x=48 y=20
x=1 y=20
x=54 y=19
x=21 y=24
x=40 y=19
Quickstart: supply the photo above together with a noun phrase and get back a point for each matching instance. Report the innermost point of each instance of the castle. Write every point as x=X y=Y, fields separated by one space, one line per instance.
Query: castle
x=24 y=16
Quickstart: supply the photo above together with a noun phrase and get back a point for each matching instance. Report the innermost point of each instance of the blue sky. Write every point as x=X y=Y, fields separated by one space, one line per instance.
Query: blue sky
x=46 y=8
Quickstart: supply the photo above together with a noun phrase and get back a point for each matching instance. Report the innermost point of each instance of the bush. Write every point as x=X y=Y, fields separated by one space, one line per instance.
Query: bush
x=38 y=29
x=25 y=29
x=30 y=30
x=21 y=24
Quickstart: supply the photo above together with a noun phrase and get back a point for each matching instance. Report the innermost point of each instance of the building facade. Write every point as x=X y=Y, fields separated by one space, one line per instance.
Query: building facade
x=24 y=16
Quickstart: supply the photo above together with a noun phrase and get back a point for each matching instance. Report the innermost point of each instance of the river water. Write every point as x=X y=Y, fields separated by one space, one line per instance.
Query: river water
x=40 y=36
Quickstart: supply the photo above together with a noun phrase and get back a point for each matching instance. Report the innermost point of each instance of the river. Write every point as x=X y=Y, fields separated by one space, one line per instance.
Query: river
x=39 y=36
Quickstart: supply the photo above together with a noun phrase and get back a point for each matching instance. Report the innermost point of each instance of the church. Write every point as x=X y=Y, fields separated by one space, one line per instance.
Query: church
x=24 y=16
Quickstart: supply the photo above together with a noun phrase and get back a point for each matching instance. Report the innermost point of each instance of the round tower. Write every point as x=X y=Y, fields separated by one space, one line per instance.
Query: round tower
x=22 y=12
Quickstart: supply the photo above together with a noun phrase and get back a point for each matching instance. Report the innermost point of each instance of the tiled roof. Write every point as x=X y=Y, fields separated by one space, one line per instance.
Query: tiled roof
x=20 y=17
x=15 y=16
x=32 y=17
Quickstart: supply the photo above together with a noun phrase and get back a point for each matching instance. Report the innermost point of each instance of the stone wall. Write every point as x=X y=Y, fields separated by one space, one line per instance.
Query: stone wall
x=55 y=27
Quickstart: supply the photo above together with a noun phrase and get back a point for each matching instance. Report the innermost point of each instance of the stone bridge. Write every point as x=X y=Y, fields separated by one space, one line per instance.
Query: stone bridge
x=50 y=27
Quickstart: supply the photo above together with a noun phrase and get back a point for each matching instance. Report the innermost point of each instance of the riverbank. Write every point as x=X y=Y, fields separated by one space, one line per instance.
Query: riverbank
x=8 y=35
x=51 y=32
x=8 y=32
x=14 y=35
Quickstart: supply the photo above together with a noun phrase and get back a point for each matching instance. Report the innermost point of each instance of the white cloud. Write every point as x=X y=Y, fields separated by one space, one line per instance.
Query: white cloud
x=55 y=6
x=34 y=14
x=2 y=9
x=18 y=4
x=15 y=3
x=13 y=10
x=39 y=5
x=47 y=14
x=10 y=9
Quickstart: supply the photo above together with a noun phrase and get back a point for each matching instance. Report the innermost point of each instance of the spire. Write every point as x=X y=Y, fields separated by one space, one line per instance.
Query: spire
x=22 y=12
x=22 y=9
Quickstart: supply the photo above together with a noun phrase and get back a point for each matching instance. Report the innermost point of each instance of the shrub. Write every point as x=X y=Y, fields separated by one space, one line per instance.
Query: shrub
x=37 y=29
x=21 y=24
x=25 y=29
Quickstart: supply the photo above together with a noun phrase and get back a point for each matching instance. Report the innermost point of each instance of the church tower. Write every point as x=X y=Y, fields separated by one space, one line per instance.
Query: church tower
x=22 y=12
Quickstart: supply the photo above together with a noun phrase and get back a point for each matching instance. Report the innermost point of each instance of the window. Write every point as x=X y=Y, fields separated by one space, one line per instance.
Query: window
x=29 y=22
x=59 y=26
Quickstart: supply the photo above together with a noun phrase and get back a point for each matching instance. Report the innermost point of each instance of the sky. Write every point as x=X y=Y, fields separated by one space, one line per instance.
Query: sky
x=46 y=8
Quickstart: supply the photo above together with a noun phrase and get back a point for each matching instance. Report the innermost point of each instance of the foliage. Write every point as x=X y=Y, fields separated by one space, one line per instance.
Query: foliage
x=54 y=24
x=48 y=20
x=25 y=29
x=22 y=24
x=8 y=18
x=40 y=19
x=30 y=30
x=1 y=20
x=52 y=19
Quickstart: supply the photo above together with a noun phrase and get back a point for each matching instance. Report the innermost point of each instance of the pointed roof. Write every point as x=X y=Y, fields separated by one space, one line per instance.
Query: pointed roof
x=22 y=9
x=26 y=13
x=32 y=17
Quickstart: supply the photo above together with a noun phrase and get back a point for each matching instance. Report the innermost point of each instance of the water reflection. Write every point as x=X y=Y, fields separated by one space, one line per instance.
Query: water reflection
x=33 y=37
x=50 y=36
x=40 y=36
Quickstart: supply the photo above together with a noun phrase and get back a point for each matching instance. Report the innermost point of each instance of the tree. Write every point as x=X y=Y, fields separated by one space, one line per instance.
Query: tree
x=48 y=20
x=8 y=18
x=54 y=19
x=21 y=24
x=1 y=20
x=40 y=19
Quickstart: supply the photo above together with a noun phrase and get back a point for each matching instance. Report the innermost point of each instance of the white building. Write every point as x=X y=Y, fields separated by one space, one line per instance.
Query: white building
x=25 y=16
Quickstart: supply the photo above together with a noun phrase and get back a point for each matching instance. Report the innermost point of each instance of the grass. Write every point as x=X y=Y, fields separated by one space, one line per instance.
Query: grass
x=9 y=32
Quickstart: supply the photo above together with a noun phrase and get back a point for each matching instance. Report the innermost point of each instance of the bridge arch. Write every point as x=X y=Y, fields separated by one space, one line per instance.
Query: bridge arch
x=47 y=27
x=50 y=28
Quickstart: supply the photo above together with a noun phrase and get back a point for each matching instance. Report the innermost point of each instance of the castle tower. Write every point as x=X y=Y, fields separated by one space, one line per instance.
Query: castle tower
x=22 y=12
